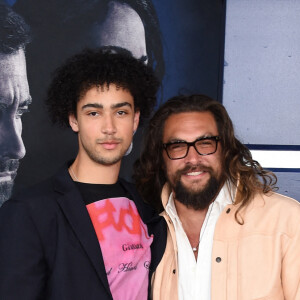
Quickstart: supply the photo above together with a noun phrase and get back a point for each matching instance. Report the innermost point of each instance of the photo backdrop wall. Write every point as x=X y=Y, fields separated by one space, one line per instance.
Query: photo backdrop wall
x=261 y=83
x=184 y=42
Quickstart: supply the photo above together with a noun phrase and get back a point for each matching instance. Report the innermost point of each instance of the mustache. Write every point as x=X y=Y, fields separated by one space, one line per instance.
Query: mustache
x=9 y=165
x=193 y=167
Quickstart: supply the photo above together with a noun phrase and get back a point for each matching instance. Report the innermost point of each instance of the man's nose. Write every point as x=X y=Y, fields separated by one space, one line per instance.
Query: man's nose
x=108 y=126
x=11 y=143
x=192 y=156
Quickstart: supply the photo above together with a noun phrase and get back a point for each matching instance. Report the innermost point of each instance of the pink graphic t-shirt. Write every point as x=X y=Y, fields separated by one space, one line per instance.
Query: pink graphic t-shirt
x=125 y=245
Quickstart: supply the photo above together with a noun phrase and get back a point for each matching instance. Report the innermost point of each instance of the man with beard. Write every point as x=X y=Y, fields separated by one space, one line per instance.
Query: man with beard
x=85 y=233
x=230 y=235
x=14 y=95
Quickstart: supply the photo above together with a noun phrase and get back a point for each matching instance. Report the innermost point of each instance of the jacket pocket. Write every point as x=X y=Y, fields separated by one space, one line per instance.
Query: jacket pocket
x=259 y=267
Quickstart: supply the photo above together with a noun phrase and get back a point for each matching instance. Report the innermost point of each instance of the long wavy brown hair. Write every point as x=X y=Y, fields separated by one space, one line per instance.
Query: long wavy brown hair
x=238 y=166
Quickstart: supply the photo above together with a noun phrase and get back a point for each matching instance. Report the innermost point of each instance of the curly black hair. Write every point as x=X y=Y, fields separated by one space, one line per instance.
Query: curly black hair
x=100 y=67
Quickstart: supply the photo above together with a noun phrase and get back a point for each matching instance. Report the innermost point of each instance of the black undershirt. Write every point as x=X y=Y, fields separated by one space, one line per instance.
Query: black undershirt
x=95 y=192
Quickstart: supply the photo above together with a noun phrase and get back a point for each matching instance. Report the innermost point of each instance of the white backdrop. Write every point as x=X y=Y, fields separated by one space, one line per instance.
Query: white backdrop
x=262 y=82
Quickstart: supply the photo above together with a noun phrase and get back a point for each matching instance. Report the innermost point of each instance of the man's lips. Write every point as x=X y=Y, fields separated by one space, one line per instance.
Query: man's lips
x=8 y=170
x=110 y=145
x=195 y=173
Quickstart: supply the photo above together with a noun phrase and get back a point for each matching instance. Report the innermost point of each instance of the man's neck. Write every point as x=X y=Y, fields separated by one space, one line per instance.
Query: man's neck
x=192 y=221
x=88 y=171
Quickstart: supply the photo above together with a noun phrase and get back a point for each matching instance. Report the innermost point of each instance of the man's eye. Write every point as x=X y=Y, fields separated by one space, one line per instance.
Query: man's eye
x=93 y=114
x=21 y=111
x=178 y=146
x=206 y=142
x=121 y=113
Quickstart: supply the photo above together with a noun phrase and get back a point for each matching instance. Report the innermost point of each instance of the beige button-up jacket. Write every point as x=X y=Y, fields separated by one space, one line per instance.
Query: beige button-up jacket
x=259 y=260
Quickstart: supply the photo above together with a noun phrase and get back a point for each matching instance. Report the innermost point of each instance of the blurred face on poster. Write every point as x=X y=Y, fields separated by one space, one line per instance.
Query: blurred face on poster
x=65 y=27
x=122 y=28
x=14 y=101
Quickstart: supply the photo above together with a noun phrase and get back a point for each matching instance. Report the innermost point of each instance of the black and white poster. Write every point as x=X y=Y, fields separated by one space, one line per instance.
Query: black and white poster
x=182 y=40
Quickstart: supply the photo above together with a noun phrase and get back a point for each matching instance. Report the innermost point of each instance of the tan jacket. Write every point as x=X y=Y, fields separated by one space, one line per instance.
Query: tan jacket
x=259 y=260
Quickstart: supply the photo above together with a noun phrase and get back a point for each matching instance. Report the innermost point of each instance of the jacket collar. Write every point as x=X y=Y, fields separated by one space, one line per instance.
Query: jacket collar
x=165 y=194
x=73 y=206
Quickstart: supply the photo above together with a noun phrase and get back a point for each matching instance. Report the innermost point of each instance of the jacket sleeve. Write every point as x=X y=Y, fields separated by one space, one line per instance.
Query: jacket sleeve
x=291 y=266
x=22 y=265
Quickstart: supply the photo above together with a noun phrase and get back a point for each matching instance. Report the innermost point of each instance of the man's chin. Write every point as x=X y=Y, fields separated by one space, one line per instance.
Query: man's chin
x=106 y=159
x=5 y=190
x=197 y=197
x=194 y=186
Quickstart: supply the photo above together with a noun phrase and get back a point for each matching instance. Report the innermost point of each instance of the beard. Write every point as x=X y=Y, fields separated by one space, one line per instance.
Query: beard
x=197 y=199
x=5 y=190
x=6 y=186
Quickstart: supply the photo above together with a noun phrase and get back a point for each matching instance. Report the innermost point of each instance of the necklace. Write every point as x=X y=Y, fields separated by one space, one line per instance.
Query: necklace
x=73 y=174
x=195 y=249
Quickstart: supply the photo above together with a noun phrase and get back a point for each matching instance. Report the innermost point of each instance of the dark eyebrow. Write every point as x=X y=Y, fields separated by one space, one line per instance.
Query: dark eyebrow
x=21 y=104
x=97 y=105
x=178 y=140
x=118 y=105
x=175 y=140
x=93 y=105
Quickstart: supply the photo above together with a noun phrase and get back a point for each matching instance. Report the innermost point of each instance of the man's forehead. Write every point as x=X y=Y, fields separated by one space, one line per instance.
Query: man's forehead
x=12 y=64
x=13 y=79
x=189 y=124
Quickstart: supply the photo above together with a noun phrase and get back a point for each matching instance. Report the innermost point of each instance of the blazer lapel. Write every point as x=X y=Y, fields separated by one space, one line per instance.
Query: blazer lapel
x=72 y=204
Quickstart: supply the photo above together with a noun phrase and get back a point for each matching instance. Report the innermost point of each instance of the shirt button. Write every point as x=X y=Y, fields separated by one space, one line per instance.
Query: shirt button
x=218 y=259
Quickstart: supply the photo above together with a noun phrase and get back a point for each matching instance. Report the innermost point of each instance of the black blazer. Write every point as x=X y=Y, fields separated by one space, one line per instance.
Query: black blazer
x=48 y=246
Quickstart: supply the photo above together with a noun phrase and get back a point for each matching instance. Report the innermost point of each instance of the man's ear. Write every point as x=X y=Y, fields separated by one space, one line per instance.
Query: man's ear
x=136 y=120
x=73 y=123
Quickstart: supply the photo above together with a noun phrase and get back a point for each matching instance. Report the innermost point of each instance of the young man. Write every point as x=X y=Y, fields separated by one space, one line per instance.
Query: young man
x=230 y=236
x=85 y=233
